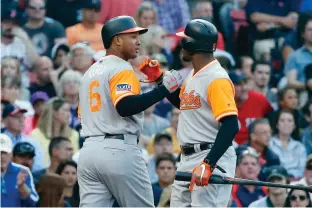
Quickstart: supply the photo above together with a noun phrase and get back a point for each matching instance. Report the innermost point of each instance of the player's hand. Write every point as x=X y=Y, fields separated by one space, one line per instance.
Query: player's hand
x=151 y=68
x=201 y=175
x=172 y=81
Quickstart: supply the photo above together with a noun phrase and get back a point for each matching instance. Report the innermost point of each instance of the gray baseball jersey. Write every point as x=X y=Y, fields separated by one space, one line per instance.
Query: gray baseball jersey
x=104 y=84
x=204 y=103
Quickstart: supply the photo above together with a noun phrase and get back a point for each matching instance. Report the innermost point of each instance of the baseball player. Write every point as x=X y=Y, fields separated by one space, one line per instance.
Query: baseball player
x=111 y=165
x=207 y=122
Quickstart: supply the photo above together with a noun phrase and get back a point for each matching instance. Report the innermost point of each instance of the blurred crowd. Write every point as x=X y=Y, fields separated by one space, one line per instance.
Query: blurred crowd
x=47 y=46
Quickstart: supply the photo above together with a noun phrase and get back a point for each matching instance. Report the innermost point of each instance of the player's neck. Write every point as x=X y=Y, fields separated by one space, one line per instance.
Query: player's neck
x=199 y=61
x=114 y=52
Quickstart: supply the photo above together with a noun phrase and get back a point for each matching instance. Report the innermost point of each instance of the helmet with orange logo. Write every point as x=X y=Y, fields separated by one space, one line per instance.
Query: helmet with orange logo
x=119 y=25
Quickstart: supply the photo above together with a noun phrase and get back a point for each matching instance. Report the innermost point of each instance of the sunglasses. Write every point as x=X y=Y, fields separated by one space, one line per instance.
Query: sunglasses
x=36 y=7
x=300 y=197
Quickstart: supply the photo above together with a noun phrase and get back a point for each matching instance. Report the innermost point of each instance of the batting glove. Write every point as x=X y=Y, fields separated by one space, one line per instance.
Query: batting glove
x=172 y=81
x=201 y=175
x=151 y=68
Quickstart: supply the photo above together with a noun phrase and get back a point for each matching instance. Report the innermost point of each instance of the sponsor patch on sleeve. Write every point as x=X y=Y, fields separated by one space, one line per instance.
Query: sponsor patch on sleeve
x=122 y=88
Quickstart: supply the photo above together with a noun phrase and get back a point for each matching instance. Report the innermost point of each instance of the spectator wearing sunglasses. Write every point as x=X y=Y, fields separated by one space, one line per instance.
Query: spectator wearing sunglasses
x=307 y=179
x=23 y=154
x=248 y=167
x=298 y=198
x=17 y=187
x=44 y=32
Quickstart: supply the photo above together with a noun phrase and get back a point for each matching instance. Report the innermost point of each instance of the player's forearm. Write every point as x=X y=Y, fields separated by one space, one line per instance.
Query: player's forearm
x=135 y=104
x=174 y=98
x=224 y=138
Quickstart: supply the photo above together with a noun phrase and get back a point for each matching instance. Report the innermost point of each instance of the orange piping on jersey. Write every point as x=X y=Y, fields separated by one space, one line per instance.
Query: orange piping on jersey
x=230 y=113
x=205 y=67
x=122 y=96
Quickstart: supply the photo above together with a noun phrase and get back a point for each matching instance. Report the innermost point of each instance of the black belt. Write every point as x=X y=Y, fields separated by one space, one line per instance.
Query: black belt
x=191 y=148
x=112 y=136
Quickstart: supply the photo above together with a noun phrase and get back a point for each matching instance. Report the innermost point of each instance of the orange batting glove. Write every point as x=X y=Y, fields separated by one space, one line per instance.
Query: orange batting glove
x=151 y=68
x=201 y=175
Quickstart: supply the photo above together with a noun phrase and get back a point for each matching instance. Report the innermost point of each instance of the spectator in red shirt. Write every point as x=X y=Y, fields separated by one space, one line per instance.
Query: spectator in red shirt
x=250 y=105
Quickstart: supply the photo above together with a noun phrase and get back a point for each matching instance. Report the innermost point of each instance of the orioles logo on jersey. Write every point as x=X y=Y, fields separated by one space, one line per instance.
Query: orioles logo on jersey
x=190 y=101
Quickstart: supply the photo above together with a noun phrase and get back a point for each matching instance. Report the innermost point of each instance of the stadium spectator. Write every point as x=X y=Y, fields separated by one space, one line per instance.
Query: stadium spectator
x=51 y=191
x=296 y=62
x=10 y=91
x=10 y=66
x=43 y=69
x=15 y=42
x=172 y=131
x=17 y=187
x=246 y=100
x=59 y=56
x=294 y=39
x=38 y=100
x=291 y=153
x=308 y=75
x=88 y=30
x=81 y=57
x=307 y=179
x=203 y=9
x=172 y=15
x=288 y=100
x=60 y=150
x=146 y=15
x=112 y=8
x=248 y=167
x=23 y=154
x=162 y=144
x=298 y=198
x=276 y=196
x=69 y=89
x=165 y=169
x=261 y=73
x=68 y=170
x=44 y=32
x=307 y=132
x=245 y=64
x=259 y=138
x=54 y=122
x=265 y=18
x=13 y=119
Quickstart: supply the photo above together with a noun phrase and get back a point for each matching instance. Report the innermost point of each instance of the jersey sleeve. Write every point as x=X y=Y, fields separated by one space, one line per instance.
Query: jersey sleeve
x=220 y=96
x=123 y=84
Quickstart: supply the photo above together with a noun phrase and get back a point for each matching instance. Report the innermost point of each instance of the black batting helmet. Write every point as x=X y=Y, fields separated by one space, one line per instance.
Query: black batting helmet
x=199 y=35
x=119 y=25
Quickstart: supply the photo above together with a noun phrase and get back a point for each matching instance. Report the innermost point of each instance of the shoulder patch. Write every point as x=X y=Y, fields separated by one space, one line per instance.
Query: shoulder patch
x=121 y=88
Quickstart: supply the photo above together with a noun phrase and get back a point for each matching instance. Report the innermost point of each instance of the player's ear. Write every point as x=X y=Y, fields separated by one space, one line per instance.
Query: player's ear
x=118 y=40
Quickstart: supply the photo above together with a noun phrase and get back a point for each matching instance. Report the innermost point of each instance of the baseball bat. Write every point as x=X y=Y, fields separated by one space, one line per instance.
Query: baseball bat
x=217 y=179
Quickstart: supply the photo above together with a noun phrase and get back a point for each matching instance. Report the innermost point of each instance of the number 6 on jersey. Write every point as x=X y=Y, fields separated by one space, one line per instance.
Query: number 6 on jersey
x=94 y=97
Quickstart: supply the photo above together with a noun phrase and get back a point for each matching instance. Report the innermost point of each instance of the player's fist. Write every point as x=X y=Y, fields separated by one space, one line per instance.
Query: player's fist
x=172 y=81
x=151 y=68
x=201 y=175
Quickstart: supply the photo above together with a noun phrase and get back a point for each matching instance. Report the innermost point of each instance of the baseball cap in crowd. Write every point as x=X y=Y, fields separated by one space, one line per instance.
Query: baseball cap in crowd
x=39 y=95
x=12 y=110
x=6 y=143
x=237 y=77
x=159 y=136
x=93 y=4
x=24 y=149
x=276 y=172
x=57 y=47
